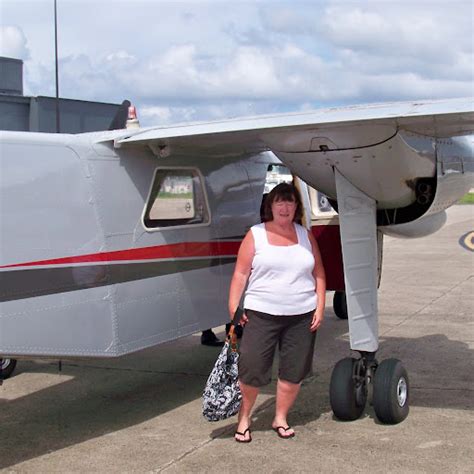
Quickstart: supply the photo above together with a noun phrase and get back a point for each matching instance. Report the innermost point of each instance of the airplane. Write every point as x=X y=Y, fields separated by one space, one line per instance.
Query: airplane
x=115 y=241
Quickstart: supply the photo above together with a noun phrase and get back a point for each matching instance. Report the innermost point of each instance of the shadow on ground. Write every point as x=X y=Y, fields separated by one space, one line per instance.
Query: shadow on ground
x=112 y=395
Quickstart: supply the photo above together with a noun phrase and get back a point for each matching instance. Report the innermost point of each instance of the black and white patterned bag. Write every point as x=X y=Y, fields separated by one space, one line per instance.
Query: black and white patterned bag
x=221 y=398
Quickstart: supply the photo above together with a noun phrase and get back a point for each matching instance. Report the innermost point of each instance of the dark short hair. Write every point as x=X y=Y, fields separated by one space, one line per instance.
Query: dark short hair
x=283 y=192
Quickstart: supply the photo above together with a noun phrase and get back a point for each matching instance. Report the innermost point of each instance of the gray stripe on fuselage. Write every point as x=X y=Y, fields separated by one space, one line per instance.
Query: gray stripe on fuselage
x=28 y=283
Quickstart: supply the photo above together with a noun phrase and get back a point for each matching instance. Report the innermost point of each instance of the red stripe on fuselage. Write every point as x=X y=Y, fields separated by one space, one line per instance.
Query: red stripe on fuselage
x=181 y=250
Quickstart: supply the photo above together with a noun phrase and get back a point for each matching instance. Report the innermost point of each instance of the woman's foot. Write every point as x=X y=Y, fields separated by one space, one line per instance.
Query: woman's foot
x=243 y=437
x=242 y=433
x=282 y=429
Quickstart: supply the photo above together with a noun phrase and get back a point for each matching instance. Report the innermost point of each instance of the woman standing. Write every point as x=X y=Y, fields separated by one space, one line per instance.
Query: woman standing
x=284 y=306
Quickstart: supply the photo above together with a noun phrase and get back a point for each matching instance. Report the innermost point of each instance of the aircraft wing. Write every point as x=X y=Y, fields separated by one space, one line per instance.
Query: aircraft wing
x=336 y=128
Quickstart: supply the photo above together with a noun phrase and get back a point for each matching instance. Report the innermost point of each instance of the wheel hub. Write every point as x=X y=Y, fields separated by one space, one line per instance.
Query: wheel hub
x=4 y=363
x=402 y=391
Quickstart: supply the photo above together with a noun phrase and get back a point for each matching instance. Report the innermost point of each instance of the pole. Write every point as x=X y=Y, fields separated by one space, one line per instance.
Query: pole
x=58 y=126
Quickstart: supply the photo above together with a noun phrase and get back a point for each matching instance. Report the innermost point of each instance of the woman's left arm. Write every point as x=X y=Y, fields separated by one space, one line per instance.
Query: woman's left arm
x=320 y=278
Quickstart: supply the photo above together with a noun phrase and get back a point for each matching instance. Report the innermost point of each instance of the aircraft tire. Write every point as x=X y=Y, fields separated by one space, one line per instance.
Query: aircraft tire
x=8 y=366
x=391 y=392
x=342 y=392
x=339 y=304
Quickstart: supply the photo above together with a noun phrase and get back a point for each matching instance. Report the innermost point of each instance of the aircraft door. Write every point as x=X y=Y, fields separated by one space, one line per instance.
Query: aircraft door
x=236 y=209
x=325 y=228
x=178 y=211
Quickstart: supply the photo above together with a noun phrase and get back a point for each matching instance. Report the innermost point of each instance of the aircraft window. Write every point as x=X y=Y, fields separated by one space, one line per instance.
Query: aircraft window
x=320 y=205
x=176 y=199
x=277 y=174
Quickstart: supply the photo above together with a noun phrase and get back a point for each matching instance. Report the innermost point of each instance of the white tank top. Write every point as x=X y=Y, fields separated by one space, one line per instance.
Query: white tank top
x=281 y=280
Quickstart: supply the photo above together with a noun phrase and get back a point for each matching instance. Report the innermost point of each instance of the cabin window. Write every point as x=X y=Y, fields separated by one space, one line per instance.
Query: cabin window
x=176 y=199
x=276 y=174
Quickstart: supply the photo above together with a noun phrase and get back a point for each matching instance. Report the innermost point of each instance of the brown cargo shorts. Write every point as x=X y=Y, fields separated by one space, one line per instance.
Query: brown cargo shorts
x=263 y=333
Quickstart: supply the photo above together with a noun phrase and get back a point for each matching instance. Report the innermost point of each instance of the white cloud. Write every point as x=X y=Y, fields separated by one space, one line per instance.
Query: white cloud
x=13 y=43
x=410 y=86
x=121 y=57
x=156 y=114
x=287 y=20
x=204 y=111
x=178 y=58
x=250 y=73
x=210 y=60
x=400 y=29
x=166 y=115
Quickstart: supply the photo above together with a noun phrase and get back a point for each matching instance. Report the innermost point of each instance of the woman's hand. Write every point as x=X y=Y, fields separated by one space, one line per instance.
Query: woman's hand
x=243 y=318
x=317 y=320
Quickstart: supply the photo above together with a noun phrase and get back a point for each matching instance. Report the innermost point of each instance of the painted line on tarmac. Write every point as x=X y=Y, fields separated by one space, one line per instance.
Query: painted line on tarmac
x=467 y=241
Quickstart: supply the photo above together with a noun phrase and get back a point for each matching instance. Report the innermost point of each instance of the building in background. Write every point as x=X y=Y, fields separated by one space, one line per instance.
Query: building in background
x=38 y=114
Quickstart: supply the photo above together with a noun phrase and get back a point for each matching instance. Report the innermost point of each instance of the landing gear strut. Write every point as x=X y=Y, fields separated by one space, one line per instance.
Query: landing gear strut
x=356 y=381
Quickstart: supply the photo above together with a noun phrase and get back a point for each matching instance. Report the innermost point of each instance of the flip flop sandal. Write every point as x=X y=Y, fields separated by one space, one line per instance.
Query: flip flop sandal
x=277 y=431
x=243 y=434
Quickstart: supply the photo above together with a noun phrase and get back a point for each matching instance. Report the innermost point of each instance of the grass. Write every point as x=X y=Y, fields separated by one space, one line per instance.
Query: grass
x=467 y=199
x=165 y=195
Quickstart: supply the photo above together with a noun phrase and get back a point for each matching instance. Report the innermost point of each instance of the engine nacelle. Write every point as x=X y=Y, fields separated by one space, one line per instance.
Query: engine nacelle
x=422 y=227
x=410 y=176
x=454 y=178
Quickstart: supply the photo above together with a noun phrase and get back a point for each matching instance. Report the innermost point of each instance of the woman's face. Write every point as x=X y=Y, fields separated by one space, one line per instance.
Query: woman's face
x=283 y=211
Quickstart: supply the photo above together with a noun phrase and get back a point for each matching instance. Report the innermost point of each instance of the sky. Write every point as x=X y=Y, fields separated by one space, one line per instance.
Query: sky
x=208 y=60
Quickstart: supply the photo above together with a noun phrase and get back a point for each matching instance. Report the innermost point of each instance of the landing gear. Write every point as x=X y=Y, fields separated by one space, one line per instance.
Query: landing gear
x=356 y=381
x=339 y=304
x=347 y=390
x=7 y=368
x=391 y=392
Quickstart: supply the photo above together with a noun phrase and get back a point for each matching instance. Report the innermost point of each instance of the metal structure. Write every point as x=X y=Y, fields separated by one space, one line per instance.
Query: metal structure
x=38 y=114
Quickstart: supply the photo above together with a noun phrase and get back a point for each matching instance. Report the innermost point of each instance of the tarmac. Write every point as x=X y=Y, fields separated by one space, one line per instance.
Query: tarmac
x=142 y=413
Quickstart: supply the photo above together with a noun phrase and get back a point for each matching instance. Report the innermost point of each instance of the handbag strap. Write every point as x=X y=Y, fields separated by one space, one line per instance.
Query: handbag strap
x=232 y=337
x=239 y=312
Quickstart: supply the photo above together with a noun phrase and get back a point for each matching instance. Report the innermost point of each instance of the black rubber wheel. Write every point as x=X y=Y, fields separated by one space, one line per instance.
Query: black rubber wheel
x=391 y=392
x=346 y=404
x=339 y=304
x=8 y=366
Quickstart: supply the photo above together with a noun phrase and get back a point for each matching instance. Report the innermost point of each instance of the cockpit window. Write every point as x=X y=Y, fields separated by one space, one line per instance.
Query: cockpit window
x=176 y=199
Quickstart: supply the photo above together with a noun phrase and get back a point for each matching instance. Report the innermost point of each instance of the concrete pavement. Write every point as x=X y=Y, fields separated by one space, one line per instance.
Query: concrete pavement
x=142 y=413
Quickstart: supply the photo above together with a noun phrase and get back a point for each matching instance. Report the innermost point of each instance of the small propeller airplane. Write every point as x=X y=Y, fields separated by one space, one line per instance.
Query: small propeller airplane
x=115 y=241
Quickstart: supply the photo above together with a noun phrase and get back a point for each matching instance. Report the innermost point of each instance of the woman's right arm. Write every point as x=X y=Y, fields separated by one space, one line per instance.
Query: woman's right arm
x=241 y=272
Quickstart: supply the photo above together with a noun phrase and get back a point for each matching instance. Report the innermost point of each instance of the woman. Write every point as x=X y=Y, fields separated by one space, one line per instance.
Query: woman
x=284 y=306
